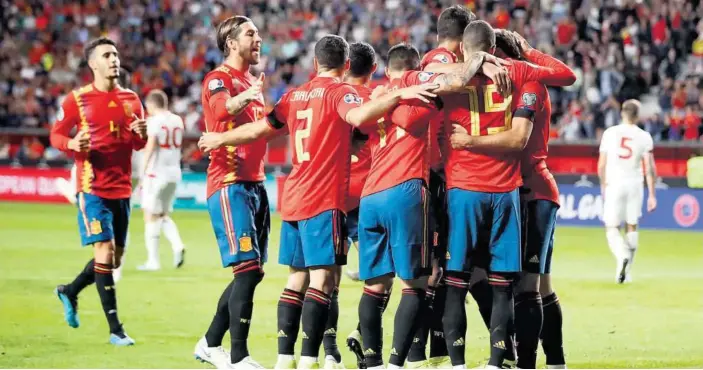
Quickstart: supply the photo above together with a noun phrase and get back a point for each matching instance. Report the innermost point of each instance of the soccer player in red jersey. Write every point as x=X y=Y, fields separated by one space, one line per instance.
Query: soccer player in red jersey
x=110 y=124
x=540 y=200
x=484 y=210
x=237 y=200
x=319 y=116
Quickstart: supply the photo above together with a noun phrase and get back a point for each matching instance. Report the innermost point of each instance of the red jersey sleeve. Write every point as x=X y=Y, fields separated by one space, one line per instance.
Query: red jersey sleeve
x=66 y=119
x=277 y=118
x=343 y=99
x=415 y=114
x=441 y=56
x=532 y=99
x=217 y=86
x=550 y=71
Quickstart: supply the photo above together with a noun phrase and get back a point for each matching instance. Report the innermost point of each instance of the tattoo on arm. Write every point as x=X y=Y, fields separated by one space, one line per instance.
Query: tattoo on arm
x=453 y=82
x=235 y=105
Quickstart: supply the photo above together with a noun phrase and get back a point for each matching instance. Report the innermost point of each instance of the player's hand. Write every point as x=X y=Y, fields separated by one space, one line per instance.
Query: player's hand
x=138 y=126
x=651 y=204
x=210 y=141
x=490 y=58
x=80 y=142
x=460 y=138
x=378 y=91
x=253 y=93
x=421 y=92
x=500 y=77
x=522 y=43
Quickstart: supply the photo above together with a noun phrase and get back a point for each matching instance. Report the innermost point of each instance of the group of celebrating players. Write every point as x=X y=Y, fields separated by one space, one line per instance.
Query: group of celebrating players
x=438 y=178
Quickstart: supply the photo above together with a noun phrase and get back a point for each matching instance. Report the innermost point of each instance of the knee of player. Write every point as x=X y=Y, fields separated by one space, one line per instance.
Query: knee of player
x=527 y=282
x=322 y=278
x=419 y=283
x=436 y=276
x=298 y=280
x=381 y=284
x=104 y=252
x=631 y=228
x=545 y=285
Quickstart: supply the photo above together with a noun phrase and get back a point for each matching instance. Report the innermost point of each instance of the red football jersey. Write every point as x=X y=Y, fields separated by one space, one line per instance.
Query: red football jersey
x=400 y=146
x=360 y=162
x=321 y=138
x=231 y=163
x=106 y=169
x=535 y=174
x=444 y=56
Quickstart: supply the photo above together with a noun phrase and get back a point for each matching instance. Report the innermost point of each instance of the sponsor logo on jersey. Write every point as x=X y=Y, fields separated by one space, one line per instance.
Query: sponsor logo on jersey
x=686 y=210
x=425 y=76
x=352 y=99
x=215 y=84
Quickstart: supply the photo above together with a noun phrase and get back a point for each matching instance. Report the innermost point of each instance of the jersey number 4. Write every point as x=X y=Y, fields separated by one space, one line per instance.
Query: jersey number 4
x=300 y=151
x=173 y=138
x=489 y=105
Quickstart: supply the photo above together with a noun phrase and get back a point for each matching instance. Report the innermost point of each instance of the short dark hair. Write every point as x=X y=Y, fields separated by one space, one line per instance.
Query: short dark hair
x=403 y=56
x=331 y=52
x=158 y=97
x=479 y=36
x=229 y=28
x=507 y=44
x=452 y=21
x=362 y=58
x=88 y=50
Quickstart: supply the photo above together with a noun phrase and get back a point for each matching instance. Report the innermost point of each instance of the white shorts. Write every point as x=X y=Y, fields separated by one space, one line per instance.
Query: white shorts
x=623 y=202
x=158 y=195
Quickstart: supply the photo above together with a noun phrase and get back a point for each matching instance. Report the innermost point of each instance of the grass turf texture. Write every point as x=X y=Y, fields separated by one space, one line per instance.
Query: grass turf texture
x=654 y=322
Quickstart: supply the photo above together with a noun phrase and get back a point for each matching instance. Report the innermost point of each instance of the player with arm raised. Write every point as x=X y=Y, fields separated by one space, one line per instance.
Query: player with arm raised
x=237 y=200
x=319 y=116
x=161 y=174
x=484 y=207
x=540 y=199
x=109 y=124
x=623 y=151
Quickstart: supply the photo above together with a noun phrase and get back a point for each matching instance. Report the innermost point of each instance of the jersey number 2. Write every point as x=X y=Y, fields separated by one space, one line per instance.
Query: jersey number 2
x=174 y=138
x=489 y=106
x=624 y=144
x=303 y=133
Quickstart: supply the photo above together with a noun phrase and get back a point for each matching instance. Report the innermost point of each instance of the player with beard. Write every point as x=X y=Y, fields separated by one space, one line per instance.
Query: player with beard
x=237 y=200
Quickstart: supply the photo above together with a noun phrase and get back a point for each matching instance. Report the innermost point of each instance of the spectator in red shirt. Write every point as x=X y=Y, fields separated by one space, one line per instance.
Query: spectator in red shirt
x=566 y=33
x=691 y=123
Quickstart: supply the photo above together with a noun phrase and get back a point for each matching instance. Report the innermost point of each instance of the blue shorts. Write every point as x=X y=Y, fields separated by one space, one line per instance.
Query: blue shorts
x=316 y=241
x=539 y=220
x=394 y=232
x=484 y=224
x=241 y=220
x=101 y=219
x=353 y=225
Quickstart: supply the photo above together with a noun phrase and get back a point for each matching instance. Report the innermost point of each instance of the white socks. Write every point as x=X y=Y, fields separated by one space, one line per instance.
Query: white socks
x=633 y=241
x=171 y=233
x=152 y=232
x=306 y=362
x=615 y=242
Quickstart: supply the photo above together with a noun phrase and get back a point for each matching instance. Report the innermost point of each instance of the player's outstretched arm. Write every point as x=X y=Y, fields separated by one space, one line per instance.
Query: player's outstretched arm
x=513 y=140
x=243 y=134
x=549 y=70
x=375 y=109
x=456 y=76
x=650 y=175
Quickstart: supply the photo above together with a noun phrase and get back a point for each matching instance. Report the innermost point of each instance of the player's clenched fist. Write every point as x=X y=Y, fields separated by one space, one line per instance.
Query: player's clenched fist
x=210 y=141
x=138 y=126
x=460 y=138
x=80 y=142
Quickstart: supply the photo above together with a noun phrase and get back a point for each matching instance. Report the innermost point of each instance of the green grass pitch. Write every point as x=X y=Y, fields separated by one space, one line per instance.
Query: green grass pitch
x=656 y=321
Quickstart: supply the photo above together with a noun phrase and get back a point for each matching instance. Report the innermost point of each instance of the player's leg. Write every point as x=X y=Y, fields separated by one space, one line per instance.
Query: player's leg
x=614 y=206
x=466 y=212
x=551 y=335
x=417 y=356
x=322 y=238
x=153 y=210
x=353 y=238
x=168 y=196
x=505 y=264
x=539 y=223
x=635 y=198
x=333 y=358
x=290 y=304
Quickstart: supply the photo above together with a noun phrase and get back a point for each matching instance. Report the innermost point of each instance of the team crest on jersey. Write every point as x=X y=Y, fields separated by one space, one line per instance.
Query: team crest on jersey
x=60 y=114
x=352 y=98
x=215 y=84
x=441 y=58
x=245 y=244
x=529 y=99
x=425 y=76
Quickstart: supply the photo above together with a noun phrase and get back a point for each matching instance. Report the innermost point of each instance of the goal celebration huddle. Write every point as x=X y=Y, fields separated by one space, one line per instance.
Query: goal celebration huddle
x=438 y=179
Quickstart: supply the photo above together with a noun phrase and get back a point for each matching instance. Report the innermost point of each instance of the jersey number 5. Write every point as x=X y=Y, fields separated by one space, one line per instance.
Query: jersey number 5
x=489 y=106
x=303 y=133
x=624 y=144
x=173 y=139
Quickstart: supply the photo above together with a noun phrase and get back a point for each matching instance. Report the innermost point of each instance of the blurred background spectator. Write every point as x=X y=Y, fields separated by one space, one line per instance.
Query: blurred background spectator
x=619 y=49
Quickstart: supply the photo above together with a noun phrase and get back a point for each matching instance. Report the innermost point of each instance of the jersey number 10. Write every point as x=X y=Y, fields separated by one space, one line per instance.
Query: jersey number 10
x=489 y=106
x=173 y=138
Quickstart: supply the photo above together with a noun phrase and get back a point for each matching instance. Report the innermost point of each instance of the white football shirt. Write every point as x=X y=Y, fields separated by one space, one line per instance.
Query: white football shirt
x=165 y=163
x=625 y=145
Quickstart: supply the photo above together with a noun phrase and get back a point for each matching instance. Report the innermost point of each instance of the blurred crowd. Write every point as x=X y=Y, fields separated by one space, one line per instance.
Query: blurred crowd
x=620 y=49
